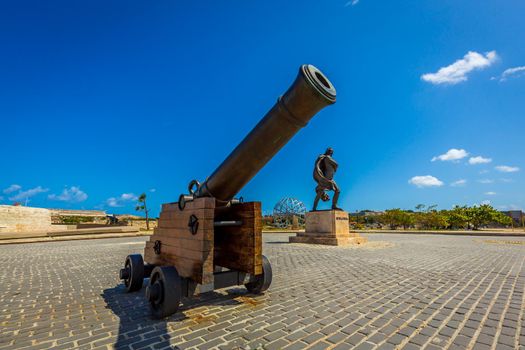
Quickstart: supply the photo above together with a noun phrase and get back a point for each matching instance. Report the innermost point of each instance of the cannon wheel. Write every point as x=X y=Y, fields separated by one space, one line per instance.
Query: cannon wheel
x=261 y=282
x=164 y=291
x=133 y=272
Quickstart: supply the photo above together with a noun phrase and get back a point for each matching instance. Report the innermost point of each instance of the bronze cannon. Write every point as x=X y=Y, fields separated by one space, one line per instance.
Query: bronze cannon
x=209 y=239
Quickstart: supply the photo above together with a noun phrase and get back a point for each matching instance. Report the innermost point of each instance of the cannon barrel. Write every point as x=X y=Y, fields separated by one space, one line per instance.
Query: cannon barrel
x=310 y=92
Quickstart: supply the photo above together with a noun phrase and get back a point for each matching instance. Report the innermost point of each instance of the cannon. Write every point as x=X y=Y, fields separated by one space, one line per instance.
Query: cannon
x=210 y=239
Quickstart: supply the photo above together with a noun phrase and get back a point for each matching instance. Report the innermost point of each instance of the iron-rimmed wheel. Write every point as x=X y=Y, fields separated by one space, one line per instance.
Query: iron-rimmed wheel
x=133 y=272
x=261 y=282
x=164 y=291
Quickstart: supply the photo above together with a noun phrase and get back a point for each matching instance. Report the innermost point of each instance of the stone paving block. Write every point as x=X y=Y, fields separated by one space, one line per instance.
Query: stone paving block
x=486 y=339
x=406 y=331
x=447 y=332
x=312 y=338
x=411 y=346
x=296 y=346
x=330 y=329
x=337 y=338
x=351 y=329
x=163 y=345
x=489 y=331
x=192 y=343
x=213 y=344
x=396 y=339
x=297 y=335
x=481 y=346
x=321 y=345
x=365 y=346
x=355 y=339
x=279 y=334
x=506 y=340
x=254 y=335
x=386 y=346
x=343 y=346
x=276 y=345
x=504 y=347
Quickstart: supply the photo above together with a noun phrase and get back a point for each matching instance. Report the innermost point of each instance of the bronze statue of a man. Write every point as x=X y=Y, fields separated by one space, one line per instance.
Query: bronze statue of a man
x=324 y=170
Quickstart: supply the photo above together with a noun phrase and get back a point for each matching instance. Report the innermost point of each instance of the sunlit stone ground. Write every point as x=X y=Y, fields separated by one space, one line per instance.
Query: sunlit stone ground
x=399 y=291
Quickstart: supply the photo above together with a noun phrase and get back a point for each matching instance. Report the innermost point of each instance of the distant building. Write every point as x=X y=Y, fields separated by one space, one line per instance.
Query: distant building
x=517 y=215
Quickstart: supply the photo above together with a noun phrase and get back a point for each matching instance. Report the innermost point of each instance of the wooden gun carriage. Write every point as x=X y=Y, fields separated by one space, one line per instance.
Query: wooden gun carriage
x=209 y=239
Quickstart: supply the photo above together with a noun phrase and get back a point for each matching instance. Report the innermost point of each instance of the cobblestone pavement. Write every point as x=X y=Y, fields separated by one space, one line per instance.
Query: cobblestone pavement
x=399 y=291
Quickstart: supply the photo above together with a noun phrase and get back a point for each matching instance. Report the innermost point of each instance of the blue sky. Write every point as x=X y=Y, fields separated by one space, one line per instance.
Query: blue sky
x=100 y=101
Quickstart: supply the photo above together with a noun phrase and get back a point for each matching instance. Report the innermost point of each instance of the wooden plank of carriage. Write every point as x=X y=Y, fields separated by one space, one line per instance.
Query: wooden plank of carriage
x=239 y=247
x=190 y=252
x=198 y=203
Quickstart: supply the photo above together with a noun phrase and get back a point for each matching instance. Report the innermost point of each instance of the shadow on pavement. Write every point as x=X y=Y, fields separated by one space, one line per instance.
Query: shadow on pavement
x=135 y=321
x=138 y=330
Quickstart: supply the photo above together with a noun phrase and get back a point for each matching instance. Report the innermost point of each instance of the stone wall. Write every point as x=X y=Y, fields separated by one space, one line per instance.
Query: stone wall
x=68 y=216
x=141 y=224
x=24 y=219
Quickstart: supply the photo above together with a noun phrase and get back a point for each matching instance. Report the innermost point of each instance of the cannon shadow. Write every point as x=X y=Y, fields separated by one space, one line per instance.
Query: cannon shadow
x=135 y=321
x=136 y=325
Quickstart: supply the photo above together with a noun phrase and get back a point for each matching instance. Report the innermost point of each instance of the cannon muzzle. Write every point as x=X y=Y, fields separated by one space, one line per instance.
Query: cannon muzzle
x=310 y=92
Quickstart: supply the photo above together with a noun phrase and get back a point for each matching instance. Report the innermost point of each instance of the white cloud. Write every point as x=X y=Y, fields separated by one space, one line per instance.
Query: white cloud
x=12 y=188
x=113 y=202
x=506 y=180
x=459 y=183
x=425 y=181
x=507 y=169
x=452 y=154
x=512 y=72
x=486 y=181
x=73 y=195
x=352 y=3
x=128 y=197
x=484 y=171
x=479 y=160
x=457 y=71
x=121 y=201
x=490 y=193
x=485 y=202
x=27 y=194
x=153 y=190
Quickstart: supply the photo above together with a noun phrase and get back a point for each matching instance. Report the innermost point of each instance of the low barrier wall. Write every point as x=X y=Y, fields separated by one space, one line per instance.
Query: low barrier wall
x=24 y=219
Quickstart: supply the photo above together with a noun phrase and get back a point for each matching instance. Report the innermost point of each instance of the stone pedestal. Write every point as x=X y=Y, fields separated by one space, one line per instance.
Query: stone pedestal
x=330 y=227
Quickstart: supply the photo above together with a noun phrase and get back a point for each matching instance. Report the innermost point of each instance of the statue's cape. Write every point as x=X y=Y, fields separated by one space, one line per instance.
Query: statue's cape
x=319 y=177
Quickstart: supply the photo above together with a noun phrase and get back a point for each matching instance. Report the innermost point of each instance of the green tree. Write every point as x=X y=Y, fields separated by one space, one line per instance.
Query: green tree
x=389 y=218
x=483 y=215
x=431 y=207
x=457 y=217
x=429 y=219
x=433 y=220
x=502 y=219
x=396 y=218
x=141 y=206
x=420 y=207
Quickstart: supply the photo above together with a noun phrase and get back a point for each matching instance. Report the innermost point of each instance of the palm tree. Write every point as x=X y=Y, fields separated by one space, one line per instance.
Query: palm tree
x=142 y=207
